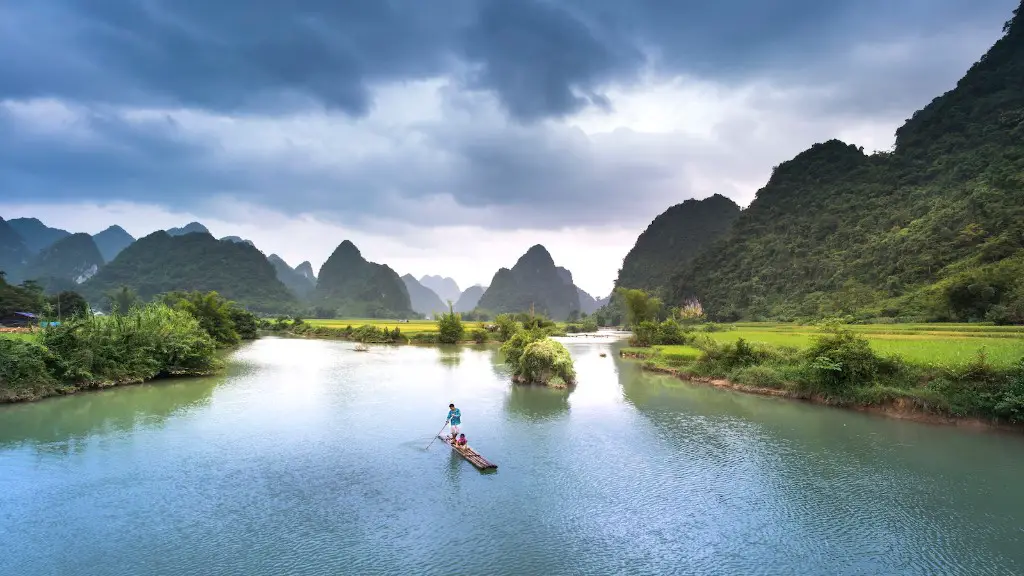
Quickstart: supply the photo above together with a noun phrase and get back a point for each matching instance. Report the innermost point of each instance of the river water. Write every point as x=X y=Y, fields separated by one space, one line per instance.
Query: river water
x=306 y=457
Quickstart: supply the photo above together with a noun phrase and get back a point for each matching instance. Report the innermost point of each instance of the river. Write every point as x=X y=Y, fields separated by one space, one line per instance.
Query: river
x=306 y=457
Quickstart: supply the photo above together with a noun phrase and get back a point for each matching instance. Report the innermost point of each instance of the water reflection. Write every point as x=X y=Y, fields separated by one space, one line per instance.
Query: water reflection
x=536 y=402
x=62 y=424
x=449 y=356
x=892 y=482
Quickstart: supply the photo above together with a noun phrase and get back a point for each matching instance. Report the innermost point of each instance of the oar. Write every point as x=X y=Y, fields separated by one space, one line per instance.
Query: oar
x=436 y=435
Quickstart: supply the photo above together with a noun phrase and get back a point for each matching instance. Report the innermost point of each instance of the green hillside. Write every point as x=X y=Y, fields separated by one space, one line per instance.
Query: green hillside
x=111 y=241
x=35 y=234
x=161 y=263
x=350 y=286
x=66 y=263
x=13 y=252
x=933 y=230
x=534 y=282
x=295 y=281
x=674 y=238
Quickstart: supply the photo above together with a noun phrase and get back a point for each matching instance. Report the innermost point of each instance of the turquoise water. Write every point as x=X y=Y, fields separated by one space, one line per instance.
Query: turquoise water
x=309 y=458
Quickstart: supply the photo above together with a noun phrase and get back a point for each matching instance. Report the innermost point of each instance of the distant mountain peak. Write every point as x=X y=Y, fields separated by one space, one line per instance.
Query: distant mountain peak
x=348 y=247
x=237 y=239
x=443 y=286
x=35 y=234
x=112 y=241
x=306 y=269
x=189 y=228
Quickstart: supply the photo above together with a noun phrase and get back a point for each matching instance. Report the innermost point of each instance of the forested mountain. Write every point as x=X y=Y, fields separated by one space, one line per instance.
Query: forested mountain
x=161 y=263
x=13 y=252
x=111 y=241
x=424 y=300
x=68 y=262
x=35 y=234
x=469 y=299
x=350 y=286
x=306 y=269
x=446 y=288
x=673 y=239
x=934 y=229
x=298 y=283
x=533 y=281
x=588 y=303
x=188 y=229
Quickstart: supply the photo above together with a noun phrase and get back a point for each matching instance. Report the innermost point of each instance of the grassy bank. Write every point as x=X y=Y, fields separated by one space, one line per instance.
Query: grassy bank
x=945 y=371
x=95 y=352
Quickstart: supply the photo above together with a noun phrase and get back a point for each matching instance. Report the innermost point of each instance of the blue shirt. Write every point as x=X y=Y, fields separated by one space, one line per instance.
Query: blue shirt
x=455 y=416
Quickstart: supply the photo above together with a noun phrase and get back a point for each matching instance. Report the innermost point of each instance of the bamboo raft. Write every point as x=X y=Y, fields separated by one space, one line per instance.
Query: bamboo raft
x=469 y=454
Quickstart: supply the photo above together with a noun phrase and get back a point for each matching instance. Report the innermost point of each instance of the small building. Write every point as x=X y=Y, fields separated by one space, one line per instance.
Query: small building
x=19 y=320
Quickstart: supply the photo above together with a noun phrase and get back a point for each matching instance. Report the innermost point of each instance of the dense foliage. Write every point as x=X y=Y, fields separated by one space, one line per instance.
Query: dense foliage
x=533 y=284
x=92 y=351
x=225 y=321
x=673 y=239
x=838 y=232
x=449 y=327
x=423 y=300
x=350 y=286
x=160 y=263
x=536 y=359
x=841 y=367
x=26 y=297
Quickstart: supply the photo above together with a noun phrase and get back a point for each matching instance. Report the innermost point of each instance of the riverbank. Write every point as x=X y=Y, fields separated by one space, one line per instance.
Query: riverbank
x=842 y=371
x=95 y=352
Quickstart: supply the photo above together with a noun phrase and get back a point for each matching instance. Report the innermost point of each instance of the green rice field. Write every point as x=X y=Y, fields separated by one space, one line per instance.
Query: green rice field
x=410 y=327
x=926 y=344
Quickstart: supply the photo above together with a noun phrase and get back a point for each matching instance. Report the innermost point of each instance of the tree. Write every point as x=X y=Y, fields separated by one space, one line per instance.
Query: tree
x=213 y=312
x=68 y=304
x=449 y=327
x=640 y=306
x=123 y=300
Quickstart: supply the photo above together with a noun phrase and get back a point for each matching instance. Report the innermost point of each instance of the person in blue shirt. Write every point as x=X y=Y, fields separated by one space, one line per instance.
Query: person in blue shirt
x=454 y=419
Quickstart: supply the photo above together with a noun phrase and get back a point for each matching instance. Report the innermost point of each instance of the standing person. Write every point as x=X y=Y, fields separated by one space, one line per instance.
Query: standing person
x=455 y=419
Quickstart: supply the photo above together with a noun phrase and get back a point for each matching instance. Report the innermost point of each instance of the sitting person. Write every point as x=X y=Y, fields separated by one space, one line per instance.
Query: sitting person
x=461 y=441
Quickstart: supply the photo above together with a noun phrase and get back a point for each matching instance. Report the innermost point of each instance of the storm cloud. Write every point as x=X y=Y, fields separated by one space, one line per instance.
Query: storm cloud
x=520 y=114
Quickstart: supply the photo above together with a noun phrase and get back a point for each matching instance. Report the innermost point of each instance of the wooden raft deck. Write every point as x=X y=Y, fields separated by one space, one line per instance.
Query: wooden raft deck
x=469 y=454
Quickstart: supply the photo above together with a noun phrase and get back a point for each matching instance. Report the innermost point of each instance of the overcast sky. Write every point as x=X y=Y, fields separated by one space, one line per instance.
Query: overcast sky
x=447 y=136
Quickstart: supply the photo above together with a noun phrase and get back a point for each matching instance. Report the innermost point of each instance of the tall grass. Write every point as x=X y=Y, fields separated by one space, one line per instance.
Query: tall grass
x=92 y=351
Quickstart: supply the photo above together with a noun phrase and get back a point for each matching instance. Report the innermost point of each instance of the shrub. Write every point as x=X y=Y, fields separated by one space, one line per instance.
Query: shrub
x=152 y=341
x=24 y=365
x=507 y=326
x=513 y=348
x=479 y=335
x=644 y=334
x=546 y=362
x=1010 y=402
x=763 y=376
x=839 y=359
x=449 y=327
x=670 y=332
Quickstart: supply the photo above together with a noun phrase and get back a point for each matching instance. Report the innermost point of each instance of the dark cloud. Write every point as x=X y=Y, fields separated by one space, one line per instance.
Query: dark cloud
x=542 y=58
x=249 y=60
